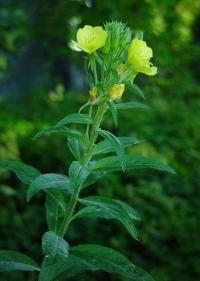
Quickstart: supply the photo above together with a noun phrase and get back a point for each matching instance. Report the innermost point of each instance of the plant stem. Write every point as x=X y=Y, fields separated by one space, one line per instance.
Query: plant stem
x=86 y=158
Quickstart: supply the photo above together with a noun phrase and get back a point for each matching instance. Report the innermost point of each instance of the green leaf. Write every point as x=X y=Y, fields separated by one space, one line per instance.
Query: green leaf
x=76 y=118
x=55 y=209
x=106 y=147
x=96 y=257
x=132 y=105
x=75 y=148
x=78 y=174
x=49 y=181
x=90 y=257
x=66 y=131
x=102 y=207
x=24 y=172
x=54 y=246
x=11 y=261
x=116 y=144
x=137 y=90
x=93 y=177
x=56 y=251
x=112 y=164
x=113 y=110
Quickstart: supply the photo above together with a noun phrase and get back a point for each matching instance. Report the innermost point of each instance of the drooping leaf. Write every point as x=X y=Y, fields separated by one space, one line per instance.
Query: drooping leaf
x=102 y=207
x=116 y=144
x=90 y=257
x=105 y=146
x=96 y=257
x=56 y=251
x=66 y=131
x=113 y=110
x=24 y=172
x=132 y=105
x=76 y=148
x=11 y=261
x=78 y=174
x=76 y=118
x=55 y=209
x=132 y=162
x=49 y=181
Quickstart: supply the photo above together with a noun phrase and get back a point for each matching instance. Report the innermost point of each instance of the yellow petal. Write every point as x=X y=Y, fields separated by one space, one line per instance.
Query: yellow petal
x=139 y=53
x=150 y=70
x=91 y=38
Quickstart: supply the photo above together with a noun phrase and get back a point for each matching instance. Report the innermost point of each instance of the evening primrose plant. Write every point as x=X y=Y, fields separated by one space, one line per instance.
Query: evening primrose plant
x=114 y=57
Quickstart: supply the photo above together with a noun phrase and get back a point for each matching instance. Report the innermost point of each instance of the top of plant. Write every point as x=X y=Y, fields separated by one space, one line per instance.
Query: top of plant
x=120 y=56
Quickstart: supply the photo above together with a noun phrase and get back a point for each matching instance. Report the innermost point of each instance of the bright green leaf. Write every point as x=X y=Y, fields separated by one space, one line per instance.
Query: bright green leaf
x=24 y=172
x=11 y=261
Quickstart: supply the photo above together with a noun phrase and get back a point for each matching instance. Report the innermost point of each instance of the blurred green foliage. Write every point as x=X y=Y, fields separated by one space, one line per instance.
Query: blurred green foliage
x=41 y=81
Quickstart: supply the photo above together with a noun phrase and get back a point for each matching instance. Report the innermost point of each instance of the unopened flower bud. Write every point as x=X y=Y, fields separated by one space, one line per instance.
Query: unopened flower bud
x=116 y=91
x=93 y=93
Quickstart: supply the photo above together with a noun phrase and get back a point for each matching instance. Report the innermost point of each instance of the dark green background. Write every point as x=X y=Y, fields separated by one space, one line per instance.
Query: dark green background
x=42 y=80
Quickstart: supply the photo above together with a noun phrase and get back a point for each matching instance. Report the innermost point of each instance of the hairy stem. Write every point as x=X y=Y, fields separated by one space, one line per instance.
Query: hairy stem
x=86 y=158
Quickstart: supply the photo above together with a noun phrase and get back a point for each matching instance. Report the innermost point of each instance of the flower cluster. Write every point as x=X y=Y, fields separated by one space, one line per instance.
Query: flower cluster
x=115 y=58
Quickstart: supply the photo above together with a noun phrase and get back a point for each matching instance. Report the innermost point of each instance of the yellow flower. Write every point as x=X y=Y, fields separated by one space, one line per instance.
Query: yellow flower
x=93 y=93
x=139 y=55
x=91 y=38
x=116 y=91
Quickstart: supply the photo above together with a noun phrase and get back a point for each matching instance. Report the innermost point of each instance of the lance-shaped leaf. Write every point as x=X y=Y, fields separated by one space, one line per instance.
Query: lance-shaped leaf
x=66 y=131
x=11 y=261
x=132 y=162
x=105 y=146
x=76 y=118
x=102 y=207
x=96 y=257
x=55 y=209
x=117 y=146
x=49 y=181
x=76 y=148
x=113 y=110
x=132 y=105
x=25 y=173
x=56 y=251
x=78 y=174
